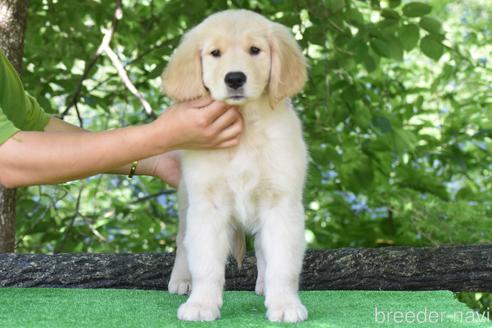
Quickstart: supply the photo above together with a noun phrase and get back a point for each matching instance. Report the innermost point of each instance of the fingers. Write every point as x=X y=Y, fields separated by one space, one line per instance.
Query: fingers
x=230 y=116
x=215 y=124
x=200 y=102
x=227 y=144
x=230 y=136
x=215 y=110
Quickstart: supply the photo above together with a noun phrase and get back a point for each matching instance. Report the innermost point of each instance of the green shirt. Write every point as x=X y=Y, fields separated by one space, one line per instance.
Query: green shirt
x=18 y=110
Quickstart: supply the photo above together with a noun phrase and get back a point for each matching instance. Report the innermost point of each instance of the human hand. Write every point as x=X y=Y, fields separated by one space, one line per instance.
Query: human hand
x=201 y=124
x=167 y=167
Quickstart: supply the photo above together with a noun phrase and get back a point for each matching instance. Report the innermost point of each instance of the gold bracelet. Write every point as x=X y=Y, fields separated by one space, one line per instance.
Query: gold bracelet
x=133 y=168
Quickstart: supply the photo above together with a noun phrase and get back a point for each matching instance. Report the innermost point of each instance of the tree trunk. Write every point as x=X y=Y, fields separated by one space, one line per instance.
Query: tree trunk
x=13 y=15
x=456 y=268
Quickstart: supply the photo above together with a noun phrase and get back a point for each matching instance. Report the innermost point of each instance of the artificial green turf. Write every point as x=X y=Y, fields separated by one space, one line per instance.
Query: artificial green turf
x=39 y=307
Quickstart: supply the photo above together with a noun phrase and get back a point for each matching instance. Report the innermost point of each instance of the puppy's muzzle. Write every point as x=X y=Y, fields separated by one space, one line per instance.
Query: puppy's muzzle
x=235 y=80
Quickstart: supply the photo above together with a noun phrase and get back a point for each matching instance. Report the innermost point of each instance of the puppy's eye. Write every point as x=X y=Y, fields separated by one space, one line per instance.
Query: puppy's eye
x=254 y=50
x=215 y=53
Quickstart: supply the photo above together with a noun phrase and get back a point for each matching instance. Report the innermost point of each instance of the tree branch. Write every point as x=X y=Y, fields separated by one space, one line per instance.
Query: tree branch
x=118 y=14
x=105 y=47
x=72 y=220
x=127 y=82
x=145 y=198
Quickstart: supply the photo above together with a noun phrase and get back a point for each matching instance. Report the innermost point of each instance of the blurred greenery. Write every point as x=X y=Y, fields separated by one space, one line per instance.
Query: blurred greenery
x=397 y=115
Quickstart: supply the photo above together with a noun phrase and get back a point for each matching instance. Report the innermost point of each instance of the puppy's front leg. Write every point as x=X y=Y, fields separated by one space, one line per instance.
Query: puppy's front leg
x=207 y=243
x=282 y=243
x=180 y=280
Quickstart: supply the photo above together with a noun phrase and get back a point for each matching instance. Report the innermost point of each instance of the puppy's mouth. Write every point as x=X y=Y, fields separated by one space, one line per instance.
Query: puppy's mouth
x=237 y=99
x=230 y=96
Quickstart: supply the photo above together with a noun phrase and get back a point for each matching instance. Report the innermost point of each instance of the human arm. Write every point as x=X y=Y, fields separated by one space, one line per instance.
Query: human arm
x=56 y=156
x=165 y=166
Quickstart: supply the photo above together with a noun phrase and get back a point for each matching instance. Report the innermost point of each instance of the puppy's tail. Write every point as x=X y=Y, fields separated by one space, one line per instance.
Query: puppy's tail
x=239 y=247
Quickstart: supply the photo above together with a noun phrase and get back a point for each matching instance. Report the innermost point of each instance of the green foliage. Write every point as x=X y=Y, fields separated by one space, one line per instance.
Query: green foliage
x=416 y=9
x=431 y=47
x=409 y=35
x=397 y=116
x=482 y=302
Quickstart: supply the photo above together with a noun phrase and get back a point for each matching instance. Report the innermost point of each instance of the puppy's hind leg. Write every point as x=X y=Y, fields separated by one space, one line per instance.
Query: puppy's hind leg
x=260 y=265
x=180 y=281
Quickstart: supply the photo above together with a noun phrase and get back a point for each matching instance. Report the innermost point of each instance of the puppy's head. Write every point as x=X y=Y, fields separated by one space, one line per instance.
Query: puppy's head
x=236 y=56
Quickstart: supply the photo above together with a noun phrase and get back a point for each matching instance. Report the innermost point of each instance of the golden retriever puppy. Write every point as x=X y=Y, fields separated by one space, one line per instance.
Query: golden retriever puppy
x=242 y=58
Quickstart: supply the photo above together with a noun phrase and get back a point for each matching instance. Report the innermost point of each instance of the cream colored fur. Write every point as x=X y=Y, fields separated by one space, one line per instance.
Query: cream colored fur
x=255 y=187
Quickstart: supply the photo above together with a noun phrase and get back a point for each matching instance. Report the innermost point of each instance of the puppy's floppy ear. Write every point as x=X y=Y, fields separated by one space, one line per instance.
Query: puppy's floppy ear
x=288 y=72
x=182 y=78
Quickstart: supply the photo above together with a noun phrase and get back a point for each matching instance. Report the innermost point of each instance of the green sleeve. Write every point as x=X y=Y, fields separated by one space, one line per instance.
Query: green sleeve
x=7 y=128
x=18 y=110
x=35 y=119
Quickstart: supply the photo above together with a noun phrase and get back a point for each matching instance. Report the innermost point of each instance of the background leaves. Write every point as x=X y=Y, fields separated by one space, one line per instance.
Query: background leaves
x=396 y=133
x=416 y=9
x=396 y=113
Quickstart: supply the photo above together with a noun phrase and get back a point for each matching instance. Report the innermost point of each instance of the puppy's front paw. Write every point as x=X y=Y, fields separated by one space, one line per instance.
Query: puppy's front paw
x=292 y=311
x=192 y=311
x=179 y=286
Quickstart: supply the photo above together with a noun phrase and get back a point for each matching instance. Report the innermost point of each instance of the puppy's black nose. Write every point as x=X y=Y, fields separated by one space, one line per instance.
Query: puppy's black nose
x=235 y=79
